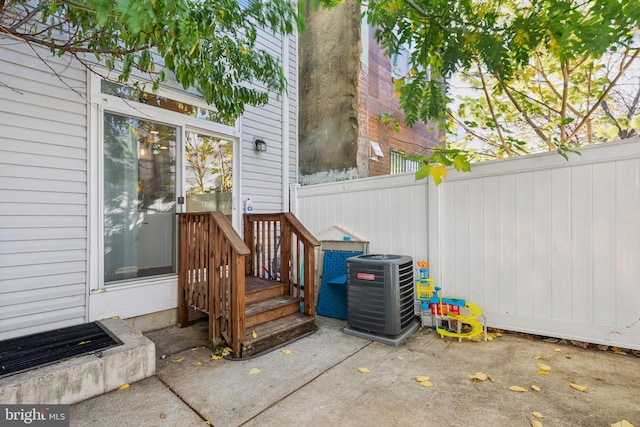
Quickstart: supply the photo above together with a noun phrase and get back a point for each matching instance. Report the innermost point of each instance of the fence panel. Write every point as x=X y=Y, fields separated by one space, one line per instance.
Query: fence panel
x=543 y=245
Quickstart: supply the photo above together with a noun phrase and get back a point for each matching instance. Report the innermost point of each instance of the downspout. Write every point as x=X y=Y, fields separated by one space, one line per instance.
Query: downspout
x=286 y=125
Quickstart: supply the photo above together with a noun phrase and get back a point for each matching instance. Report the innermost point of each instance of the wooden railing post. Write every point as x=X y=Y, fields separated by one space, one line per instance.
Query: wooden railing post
x=211 y=275
x=286 y=256
x=237 y=317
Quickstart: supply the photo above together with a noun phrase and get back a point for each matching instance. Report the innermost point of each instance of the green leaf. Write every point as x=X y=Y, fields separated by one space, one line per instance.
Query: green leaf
x=423 y=171
x=461 y=163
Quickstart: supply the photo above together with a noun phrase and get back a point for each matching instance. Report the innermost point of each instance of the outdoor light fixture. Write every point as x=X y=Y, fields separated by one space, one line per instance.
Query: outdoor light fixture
x=260 y=145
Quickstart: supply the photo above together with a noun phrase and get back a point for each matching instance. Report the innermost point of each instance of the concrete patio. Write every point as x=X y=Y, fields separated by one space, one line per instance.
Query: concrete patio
x=318 y=384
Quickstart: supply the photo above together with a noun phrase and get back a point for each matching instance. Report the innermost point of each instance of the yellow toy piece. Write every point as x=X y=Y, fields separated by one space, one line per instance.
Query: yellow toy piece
x=477 y=328
x=424 y=289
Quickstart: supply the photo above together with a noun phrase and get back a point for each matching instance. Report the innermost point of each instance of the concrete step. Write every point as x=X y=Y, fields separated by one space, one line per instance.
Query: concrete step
x=83 y=377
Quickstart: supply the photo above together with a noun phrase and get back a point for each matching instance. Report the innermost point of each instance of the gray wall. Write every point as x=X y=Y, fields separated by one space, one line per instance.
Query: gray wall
x=329 y=89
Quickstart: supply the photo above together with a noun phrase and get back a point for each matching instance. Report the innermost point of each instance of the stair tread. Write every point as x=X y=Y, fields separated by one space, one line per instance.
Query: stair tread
x=267 y=330
x=259 y=289
x=269 y=304
x=257 y=284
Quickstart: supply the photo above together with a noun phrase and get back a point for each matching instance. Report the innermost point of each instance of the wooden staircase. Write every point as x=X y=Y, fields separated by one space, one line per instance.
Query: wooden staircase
x=250 y=307
x=274 y=317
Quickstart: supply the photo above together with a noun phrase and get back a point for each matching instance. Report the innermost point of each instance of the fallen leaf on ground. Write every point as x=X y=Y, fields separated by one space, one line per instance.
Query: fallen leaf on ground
x=536 y=423
x=123 y=386
x=253 y=334
x=478 y=377
x=622 y=423
x=518 y=389
x=178 y=360
x=544 y=367
x=194 y=348
x=535 y=388
x=216 y=357
x=254 y=371
x=163 y=416
x=226 y=351
x=537 y=414
x=198 y=363
x=286 y=352
x=538 y=357
x=557 y=349
x=424 y=381
x=578 y=387
x=543 y=372
x=364 y=370
x=84 y=342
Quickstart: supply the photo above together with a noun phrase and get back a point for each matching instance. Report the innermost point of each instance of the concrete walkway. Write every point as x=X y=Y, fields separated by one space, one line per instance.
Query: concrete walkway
x=319 y=384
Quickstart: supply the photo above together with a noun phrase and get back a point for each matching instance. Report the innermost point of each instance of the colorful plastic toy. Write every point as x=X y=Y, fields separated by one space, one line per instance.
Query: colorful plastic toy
x=452 y=312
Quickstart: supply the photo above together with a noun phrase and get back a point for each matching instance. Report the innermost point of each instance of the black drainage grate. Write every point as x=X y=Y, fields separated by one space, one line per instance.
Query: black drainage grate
x=44 y=348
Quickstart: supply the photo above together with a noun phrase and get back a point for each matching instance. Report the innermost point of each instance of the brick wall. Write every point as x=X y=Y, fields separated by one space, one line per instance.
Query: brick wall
x=376 y=98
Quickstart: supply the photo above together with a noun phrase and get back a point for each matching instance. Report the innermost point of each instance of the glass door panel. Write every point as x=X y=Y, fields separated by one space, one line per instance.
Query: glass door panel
x=208 y=173
x=139 y=198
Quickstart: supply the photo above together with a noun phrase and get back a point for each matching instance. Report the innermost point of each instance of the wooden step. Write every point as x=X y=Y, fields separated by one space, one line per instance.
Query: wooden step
x=259 y=289
x=270 y=309
x=276 y=332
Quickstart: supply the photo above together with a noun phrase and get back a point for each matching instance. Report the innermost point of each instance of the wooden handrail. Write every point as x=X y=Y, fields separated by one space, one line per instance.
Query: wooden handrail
x=212 y=267
x=282 y=249
x=211 y=275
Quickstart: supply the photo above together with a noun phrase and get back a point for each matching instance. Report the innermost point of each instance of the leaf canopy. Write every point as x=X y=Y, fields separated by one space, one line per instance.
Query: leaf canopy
x=209 y=45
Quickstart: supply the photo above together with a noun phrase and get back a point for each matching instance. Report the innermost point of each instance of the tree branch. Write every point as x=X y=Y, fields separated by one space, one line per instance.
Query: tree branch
x=67 y=47
x=551 y=86
x=623 y=67
x=526 y=117
x=607 y=111
x=494 y=118
x=24 y=20
x=563 y=105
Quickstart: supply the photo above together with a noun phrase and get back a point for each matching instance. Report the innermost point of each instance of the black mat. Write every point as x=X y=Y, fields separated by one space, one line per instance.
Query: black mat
x=44 y=348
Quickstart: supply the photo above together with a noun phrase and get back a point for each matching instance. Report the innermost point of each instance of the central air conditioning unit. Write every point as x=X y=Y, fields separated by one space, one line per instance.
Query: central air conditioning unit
x=380 y=299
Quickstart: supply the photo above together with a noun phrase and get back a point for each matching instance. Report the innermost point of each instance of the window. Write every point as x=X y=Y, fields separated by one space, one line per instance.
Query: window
x=131 y=94
x=401 y=64
x=400 y=164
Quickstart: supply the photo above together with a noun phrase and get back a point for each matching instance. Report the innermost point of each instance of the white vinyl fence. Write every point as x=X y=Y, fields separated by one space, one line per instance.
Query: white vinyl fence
x=543 y=245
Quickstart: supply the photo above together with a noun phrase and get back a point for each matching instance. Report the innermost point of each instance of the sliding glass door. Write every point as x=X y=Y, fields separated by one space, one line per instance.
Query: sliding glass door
x=139 y=197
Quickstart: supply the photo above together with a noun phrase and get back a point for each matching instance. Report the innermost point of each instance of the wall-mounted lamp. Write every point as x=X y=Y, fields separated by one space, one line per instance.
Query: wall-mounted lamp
x=260 y=145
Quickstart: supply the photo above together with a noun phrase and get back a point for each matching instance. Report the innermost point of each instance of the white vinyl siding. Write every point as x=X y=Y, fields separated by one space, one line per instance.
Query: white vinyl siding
x=262 y=172
x=43 y=192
